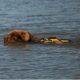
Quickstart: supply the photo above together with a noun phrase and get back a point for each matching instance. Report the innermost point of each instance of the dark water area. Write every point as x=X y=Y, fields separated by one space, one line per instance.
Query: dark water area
x=43 y=18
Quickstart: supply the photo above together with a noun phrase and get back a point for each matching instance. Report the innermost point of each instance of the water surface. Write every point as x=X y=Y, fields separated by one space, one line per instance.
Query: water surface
x=59 y=18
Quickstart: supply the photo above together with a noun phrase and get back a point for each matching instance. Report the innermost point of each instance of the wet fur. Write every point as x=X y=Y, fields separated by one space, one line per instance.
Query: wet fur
x=17 y=35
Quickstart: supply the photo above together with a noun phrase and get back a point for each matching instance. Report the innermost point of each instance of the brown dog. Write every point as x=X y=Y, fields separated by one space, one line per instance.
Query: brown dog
x=24 y=36
x=20 y=35
x=17 y=35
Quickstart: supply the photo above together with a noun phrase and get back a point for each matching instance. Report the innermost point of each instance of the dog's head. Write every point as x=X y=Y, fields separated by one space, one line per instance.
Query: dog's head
x=16 y=36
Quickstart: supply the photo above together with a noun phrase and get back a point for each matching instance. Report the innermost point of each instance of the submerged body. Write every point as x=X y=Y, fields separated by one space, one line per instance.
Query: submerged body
x=55 y=40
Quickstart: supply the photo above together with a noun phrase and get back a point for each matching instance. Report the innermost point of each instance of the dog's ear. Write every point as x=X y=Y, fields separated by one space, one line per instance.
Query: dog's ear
x=14 y=36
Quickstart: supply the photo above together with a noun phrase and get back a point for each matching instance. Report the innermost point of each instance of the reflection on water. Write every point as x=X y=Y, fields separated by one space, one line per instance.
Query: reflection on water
x=17 y=45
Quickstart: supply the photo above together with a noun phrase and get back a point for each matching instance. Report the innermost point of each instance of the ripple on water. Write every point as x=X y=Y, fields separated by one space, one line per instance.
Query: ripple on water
x=42 y=18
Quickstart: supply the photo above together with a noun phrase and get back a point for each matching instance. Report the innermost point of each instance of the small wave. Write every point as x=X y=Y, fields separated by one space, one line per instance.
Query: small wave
x=41 y=15
x=22 y=69
x=3 y=14
x=4 y=69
